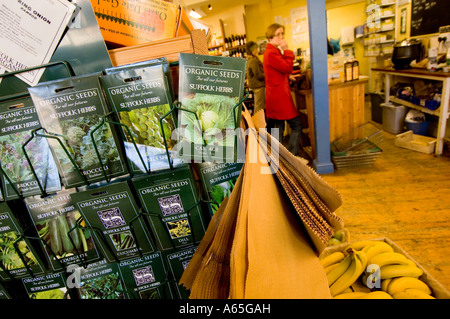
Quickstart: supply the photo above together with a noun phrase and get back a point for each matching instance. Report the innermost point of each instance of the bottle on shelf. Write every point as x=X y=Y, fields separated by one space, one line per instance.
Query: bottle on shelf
x=348 y=70
x=355 y=70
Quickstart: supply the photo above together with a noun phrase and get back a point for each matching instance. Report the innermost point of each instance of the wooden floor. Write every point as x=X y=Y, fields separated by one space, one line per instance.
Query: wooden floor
x=405 y=196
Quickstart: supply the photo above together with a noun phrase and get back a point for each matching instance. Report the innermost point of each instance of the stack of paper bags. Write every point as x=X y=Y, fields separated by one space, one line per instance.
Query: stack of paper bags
x=265 y=239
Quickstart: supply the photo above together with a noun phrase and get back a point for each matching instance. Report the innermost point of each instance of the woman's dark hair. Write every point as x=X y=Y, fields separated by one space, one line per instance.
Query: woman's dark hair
x=250 y=47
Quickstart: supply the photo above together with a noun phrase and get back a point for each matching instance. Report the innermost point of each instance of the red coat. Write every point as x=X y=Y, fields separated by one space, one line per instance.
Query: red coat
x=277 y=68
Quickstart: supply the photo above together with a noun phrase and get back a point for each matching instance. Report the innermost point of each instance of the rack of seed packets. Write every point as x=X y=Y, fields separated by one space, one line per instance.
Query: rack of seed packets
x=109 y=179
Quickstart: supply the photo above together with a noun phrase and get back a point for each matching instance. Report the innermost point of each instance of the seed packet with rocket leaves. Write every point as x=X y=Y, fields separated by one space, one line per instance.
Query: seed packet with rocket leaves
x=72 y=111
x=210 y=89
x=218 y=180
x=18 y=258
x=26 y=159
x=142 y=102
x=113 y=216
x=146 y=277
x=100 y=280
x=60 y=227
x=170 y=200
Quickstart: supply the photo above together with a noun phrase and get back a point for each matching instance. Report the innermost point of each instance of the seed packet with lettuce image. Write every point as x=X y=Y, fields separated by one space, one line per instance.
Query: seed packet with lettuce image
x=51 y=286
x=172 y=205
x=141 y=100
x=38 y=173
x=113 y=215
x=100 y=280
x=73 y=111
x=60 y=226
x=218 y=180
x=18 y=258
x=210 y=89
x=146 y=277
x=177 y=261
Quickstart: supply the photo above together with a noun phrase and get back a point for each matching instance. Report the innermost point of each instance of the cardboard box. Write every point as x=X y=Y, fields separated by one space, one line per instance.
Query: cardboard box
x=132 y=22
x=439 y=291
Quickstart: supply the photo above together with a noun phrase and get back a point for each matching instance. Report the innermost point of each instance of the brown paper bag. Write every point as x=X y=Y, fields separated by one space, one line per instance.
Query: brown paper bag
x=281 y=263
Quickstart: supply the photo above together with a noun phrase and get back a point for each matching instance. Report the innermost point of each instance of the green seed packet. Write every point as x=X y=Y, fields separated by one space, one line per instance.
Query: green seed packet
x=146 y=277
x=3 y=293
x=142 y=102
x=60 y=227
x=210 y=89
x=177 y=261
x=113 y=215
x=100 y=280
x=51 y=286
x=173 y=207
x=73 y=111
x=218 y=180
x=148 y=63
x=18 y=118
x=20 y=260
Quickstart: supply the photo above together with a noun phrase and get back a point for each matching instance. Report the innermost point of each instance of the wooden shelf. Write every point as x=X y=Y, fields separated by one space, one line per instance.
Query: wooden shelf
x=442 y=113
x=414 y=106
x=170 y=49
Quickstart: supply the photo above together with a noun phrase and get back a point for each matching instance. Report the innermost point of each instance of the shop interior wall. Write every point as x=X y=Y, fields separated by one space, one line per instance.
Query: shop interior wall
x=254 y=19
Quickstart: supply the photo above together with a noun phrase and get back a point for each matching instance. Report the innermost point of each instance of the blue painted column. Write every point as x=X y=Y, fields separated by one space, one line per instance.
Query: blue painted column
x=319 y=82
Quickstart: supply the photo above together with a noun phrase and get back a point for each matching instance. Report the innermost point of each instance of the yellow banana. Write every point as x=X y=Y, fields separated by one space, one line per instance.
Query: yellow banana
x=412 y=293
x=332 y=258
x=359 y=245
x=391 y=271
x=378 y=248
x=350 y=275
x=337 y=271
x=385 y=284
x=403 y=283
x=331 y=267
x=350 y=295
x=363 y=256
x=348 y=290
x=388 y=258
x=377 y=295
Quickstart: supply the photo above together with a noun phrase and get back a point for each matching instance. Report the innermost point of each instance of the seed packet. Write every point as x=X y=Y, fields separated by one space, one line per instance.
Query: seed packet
x=177 y=261
x=142 y=102
x=210 y=89
x=60 y=226
x=173 y=207
x=11 y=264
x=100 y=280
x=3 y=293
x=218 y=180
x=51 y=286
x=148 y=63
x=146 y=277
x=113 y=215
x=18 y=118
x=72 y=110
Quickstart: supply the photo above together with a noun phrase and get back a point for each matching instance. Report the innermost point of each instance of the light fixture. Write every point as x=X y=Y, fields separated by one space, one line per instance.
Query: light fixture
x=209 y=7
x=194 y=14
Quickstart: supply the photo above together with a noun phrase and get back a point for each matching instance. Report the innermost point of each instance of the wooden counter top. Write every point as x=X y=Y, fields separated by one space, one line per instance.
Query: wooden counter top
x=414 y=71
x=337 y=85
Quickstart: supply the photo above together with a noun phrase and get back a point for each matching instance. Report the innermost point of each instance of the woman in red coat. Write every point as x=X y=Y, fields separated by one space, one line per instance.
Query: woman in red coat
x=278 y=66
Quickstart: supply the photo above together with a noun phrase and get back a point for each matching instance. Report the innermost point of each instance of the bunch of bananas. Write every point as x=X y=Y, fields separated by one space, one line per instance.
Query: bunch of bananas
x=371 y=269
